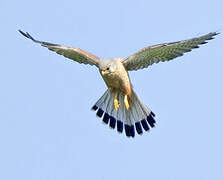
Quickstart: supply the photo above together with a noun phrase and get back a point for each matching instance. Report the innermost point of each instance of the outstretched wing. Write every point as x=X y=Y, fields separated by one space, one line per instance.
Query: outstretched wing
x=163 y=52
x=73 y=53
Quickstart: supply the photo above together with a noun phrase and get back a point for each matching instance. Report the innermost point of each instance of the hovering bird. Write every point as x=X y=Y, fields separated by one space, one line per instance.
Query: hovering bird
x=119 y=106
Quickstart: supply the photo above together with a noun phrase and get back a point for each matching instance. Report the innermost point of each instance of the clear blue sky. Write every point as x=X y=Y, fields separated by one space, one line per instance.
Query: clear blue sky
x=47 y=131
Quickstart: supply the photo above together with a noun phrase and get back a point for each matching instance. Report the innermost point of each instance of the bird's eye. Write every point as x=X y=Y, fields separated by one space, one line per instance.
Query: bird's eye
x=107 y=68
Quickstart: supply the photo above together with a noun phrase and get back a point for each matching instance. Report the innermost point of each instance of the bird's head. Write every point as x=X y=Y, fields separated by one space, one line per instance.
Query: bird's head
x=107 y=66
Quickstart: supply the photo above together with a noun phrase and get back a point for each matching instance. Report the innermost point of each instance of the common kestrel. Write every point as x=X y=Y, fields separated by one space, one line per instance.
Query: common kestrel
x=119 y=106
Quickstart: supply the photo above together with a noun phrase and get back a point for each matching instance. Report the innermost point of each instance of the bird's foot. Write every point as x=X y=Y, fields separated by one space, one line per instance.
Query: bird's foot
x=116 y=103
x=127 y=106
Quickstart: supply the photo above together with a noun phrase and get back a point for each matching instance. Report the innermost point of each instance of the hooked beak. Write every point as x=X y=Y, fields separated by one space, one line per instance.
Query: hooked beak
x=103 y=72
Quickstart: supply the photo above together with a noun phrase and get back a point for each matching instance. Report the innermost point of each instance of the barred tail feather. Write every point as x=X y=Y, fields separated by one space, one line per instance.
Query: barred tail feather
x=138 y=117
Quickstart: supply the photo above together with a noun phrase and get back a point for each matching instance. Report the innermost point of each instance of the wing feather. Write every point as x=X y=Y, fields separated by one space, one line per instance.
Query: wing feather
x=73 y=53
x=164 y=52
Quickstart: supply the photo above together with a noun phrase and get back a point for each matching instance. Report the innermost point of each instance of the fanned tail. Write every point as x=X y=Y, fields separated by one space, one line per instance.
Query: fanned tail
x=138 y=117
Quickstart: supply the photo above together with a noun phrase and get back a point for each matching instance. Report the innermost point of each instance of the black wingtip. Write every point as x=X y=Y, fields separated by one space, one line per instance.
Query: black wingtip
x=27 y=35
x=215 y=33
x=211 y=36
x=24 y=34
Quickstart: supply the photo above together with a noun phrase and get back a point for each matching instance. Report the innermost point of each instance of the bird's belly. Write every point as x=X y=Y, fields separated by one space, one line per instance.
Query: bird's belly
x=118 y=82
x=113 y=80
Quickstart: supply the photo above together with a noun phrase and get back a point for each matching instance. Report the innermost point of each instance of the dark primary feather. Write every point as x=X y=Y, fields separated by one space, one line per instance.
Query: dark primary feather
x=73 y=53
x=164 y=52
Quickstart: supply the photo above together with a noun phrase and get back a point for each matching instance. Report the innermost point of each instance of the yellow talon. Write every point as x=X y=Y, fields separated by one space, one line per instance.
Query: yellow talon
x=116 y=104
x=127 y=106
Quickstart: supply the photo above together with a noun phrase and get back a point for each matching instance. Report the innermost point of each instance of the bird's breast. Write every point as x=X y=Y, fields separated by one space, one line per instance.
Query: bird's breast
x=113 y=80
x=119 y=80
